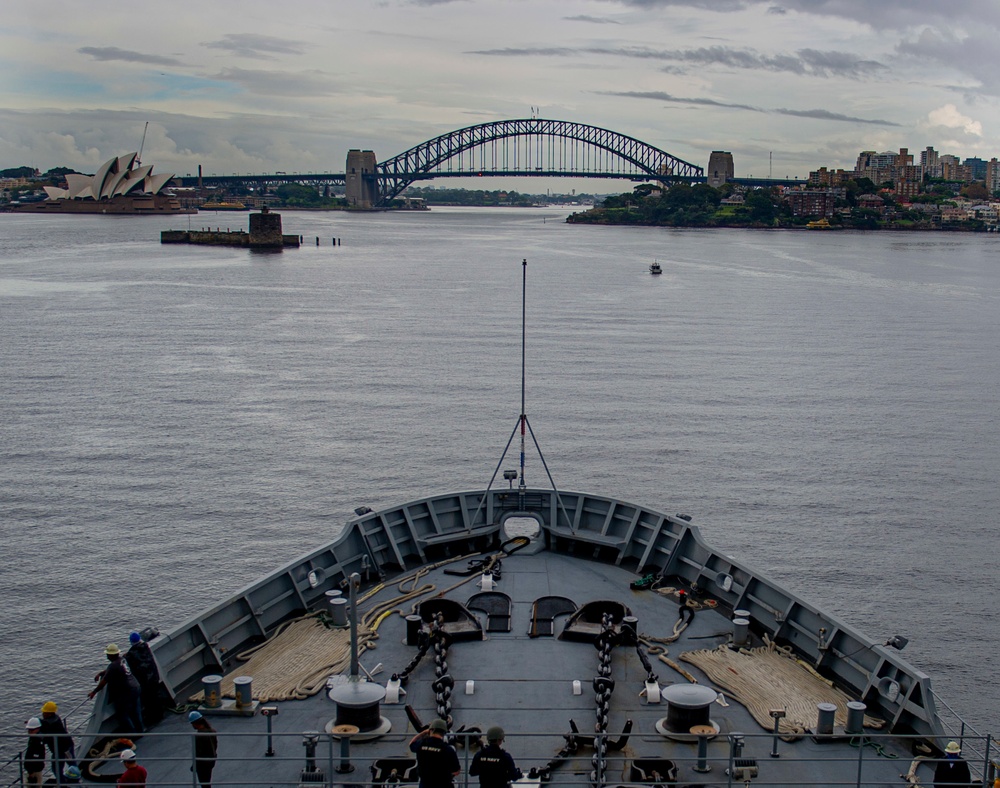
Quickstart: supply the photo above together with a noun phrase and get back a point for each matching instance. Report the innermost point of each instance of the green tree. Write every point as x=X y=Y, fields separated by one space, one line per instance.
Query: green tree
x=760 y=207
x=18 y=172
x=293 y=194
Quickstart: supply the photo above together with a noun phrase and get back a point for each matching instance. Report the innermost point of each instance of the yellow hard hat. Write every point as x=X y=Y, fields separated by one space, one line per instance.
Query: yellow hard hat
x=49 y=707
x=112 y=649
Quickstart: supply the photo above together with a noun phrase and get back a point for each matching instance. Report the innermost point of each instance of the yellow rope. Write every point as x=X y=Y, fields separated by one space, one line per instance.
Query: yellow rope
x=769 y=677
x=298 y=658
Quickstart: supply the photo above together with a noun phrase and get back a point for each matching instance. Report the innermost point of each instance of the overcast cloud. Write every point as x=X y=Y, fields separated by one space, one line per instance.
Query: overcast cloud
x=264 y=86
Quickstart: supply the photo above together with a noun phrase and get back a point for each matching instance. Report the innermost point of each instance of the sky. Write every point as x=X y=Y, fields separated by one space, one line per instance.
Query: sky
x=292 y=85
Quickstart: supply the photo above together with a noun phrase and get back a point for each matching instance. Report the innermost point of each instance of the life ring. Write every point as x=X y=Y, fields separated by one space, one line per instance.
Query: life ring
x=102 y=751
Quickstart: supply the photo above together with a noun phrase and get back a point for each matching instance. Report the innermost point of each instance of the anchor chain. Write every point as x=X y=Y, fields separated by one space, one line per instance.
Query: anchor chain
x=604 y=685
x=423 y=644
x=443 y=682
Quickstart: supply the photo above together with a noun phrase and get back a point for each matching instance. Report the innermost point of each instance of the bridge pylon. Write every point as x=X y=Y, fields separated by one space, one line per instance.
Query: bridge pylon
x=361 y=182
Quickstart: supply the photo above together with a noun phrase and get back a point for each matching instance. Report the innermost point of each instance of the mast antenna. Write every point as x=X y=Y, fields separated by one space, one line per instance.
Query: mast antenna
x=525 y=426
x=138 y=156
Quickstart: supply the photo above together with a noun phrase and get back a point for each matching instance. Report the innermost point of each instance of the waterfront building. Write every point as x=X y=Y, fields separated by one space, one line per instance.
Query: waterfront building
x=812 y=202
x=871 y=202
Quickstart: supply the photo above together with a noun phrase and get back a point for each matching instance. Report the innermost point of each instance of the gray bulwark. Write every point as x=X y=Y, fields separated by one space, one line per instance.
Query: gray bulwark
x=537 y=689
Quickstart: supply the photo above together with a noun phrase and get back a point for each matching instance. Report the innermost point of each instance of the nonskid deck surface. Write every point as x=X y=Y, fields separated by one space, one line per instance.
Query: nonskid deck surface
x=526 y=685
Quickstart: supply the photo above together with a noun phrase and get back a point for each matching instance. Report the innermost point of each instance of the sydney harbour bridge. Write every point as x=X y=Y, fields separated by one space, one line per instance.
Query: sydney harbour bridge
x=528 y=147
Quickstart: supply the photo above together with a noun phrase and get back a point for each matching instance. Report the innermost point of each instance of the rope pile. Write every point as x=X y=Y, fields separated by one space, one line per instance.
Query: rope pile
x=768 y=677
x=296 y=662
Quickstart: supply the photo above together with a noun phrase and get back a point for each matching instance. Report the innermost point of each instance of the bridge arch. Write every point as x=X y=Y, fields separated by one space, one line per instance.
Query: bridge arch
x=541 y=148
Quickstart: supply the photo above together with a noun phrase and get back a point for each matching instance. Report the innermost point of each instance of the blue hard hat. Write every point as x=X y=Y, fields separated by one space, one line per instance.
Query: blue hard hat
x=194 y=716
x=134 y=637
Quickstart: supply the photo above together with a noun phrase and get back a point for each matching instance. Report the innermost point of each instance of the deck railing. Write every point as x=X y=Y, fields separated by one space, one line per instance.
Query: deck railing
x=316 y=758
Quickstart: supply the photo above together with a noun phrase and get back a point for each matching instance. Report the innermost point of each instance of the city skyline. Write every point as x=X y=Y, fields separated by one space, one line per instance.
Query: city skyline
x=787 y=87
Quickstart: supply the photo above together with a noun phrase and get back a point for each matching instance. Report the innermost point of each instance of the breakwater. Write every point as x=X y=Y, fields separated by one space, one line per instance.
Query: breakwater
x=265 y=233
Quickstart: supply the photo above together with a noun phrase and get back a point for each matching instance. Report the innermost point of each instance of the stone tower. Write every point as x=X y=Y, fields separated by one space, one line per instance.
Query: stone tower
x=720 y=167
x=265 y=229
x=361 y=183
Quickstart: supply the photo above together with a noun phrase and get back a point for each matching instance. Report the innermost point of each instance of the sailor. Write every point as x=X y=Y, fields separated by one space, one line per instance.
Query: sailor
x=437 y=761
x=134 y=775
x=34 y=753
x=57 y=739
x=493 y=765
x=953 y=770
x=206 y=748
x=123 y=690
x=140 y=660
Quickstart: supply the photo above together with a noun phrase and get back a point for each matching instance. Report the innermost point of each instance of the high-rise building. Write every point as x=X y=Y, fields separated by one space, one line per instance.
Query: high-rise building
x=950 y=167
x=929 y=164
x=977 y=167
x=993 y=175
x=879 y=167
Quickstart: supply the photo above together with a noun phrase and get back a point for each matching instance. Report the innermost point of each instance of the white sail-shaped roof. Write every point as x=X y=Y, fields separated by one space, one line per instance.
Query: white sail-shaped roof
x=112 y=182
x=132 y=180
x=119 y=170
x=79 y=186
x=156 y=182
x=97 y=182
x=113 y=179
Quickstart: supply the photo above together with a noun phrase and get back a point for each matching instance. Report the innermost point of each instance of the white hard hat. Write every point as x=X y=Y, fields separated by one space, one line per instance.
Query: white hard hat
x=33 y=723
x=127 y=755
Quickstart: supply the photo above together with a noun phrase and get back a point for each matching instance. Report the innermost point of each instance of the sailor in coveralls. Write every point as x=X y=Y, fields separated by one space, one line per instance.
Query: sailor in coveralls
x=437 y=761
x=493 y=764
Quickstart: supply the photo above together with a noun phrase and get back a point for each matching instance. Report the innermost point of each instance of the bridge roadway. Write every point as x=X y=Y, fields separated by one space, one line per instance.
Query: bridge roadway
x=339 y=179
x=521 y=147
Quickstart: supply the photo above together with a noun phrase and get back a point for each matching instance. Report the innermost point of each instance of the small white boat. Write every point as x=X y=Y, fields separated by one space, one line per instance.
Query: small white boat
x=655 y=268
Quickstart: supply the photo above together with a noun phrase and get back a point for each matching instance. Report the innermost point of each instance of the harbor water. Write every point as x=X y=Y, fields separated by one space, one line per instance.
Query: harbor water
x=176 y=421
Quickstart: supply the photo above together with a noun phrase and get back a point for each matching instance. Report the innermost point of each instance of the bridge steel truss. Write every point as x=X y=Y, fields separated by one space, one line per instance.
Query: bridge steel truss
x=531 y=147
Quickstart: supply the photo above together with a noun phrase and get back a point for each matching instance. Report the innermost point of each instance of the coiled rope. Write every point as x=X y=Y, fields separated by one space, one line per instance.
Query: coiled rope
x=770 y=677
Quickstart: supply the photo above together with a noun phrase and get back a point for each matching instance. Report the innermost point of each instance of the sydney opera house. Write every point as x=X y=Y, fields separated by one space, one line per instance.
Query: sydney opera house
x=118 y=186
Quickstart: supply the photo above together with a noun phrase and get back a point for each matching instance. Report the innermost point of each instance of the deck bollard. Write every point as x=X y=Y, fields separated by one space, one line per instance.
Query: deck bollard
x=413 y=626
x=741 y=631
x=855 y=717
x=212 y=686
x=338 y=611
x=824 y=718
